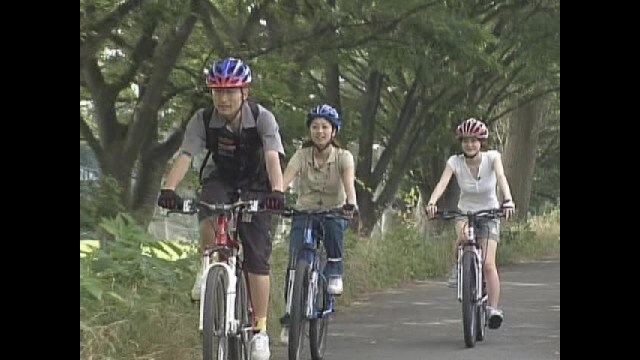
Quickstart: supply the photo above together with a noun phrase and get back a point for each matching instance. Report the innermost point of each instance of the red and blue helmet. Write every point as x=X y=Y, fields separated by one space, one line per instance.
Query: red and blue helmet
x=228 y=73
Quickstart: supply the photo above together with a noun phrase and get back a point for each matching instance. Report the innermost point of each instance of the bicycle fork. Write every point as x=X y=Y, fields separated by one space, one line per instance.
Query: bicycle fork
x=292 y=275
x=231 y=324
x=477 y=263
x=310 y=297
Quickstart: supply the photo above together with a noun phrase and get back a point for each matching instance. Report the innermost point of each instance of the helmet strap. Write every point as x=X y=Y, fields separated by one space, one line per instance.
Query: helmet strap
x=320 y=149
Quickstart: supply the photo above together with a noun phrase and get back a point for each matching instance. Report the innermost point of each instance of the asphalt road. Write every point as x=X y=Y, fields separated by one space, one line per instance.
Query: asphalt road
x=422 y=320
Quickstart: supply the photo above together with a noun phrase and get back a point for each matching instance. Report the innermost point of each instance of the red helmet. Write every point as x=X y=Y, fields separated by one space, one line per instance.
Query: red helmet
x=472 y=128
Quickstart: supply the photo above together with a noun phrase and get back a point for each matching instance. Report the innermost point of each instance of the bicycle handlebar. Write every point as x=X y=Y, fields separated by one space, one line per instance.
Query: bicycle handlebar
x=486 y=213
x=337 y=212
x=190 y=206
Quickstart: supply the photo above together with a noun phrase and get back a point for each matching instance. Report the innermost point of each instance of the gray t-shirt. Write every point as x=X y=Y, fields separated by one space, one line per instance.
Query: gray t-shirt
x=477 y=193
x=194 y=140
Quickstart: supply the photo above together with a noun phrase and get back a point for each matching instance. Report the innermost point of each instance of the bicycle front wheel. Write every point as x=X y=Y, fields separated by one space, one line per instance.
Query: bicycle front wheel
x=319 y=327
x=215 y=344
x=469 y=298
x=481 y=320
x=298 y=305
x=239 y=345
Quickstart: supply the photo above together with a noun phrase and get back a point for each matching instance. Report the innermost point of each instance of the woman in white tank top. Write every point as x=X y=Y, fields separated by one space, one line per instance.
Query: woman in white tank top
x=478 y=173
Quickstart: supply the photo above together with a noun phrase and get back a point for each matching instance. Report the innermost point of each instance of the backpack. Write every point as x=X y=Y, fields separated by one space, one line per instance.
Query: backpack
x=208 y=112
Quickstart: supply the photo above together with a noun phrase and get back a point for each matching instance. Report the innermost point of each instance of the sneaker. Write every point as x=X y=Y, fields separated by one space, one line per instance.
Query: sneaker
x=195 y=292
x=453 y=277
x=335 y=285
x=260 y=347
x=284 y=335
x=495 y=317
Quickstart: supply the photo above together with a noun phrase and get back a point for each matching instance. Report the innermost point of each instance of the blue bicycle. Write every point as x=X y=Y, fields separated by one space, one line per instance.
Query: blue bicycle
x=307 y=297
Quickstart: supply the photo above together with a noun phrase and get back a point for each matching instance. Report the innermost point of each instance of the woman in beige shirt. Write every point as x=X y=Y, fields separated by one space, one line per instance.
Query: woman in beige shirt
x=326 y=181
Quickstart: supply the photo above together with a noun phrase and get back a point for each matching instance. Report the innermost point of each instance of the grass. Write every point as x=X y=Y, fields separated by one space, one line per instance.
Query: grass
x=167 y=252
x=146 y=319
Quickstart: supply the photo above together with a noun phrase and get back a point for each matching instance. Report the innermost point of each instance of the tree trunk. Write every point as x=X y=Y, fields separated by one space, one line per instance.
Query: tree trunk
x=146 y=188
x=520 y=153
x=332 y=74
x=368 y=215
x=365 y=187
x=432 y=171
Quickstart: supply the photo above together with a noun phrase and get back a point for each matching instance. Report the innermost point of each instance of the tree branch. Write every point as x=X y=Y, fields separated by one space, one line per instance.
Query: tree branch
x=528 y=100
x=143 y=50
x=210 y=8
x=399 y=131
x=95 y=33
x=87 y=134
x=173 y=92
x=496 y=99
x=163 y=61
x=253 y=20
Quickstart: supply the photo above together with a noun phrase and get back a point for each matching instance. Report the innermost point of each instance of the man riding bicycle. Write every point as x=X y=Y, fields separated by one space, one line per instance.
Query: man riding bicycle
x=245 y=157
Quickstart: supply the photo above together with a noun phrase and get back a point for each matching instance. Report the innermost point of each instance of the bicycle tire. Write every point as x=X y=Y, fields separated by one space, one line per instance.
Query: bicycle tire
x=215 y=344
x=239 y=346
x=468 y=298
x=481 y=320
x=319 y=327
x=298 y=305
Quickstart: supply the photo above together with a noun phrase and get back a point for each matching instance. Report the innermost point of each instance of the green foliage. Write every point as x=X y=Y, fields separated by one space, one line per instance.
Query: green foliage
x=98 y=199
x=129 y=299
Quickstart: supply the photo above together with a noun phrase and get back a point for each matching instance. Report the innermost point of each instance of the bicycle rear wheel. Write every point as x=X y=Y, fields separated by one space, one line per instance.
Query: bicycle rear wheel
x=469 y=298
x=215 y=343
x=298 y=304
x=319 y=327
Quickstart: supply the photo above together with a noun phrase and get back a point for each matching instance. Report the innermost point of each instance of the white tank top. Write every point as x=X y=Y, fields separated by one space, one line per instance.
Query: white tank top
x=477 y=193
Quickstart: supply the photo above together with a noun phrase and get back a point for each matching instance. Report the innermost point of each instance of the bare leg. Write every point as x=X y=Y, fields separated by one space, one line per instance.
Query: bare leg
x=259 y=285
x=491 y=273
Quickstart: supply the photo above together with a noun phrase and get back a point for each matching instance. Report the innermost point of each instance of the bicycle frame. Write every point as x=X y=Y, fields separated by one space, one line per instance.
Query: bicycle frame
x=472 y=296
x=310 y=251
x=471 y=246
x=224 y=253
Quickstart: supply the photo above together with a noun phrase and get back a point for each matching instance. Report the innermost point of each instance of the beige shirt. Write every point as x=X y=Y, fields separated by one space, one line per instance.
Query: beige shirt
x=320 y=187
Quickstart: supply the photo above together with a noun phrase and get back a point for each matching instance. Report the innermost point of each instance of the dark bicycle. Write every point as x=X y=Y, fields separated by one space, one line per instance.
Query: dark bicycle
x=307 y=297
x=472 y=291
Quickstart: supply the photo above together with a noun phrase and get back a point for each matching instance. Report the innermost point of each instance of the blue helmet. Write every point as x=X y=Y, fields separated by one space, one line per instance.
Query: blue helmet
x=327 y=112
x=228 y=73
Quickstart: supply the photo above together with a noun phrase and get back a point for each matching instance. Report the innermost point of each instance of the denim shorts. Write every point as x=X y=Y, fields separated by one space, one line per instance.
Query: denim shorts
x=487 y=229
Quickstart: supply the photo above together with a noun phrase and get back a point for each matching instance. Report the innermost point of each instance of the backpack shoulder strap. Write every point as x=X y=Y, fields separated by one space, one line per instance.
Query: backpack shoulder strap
x=255 y=110
x=206 y=118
